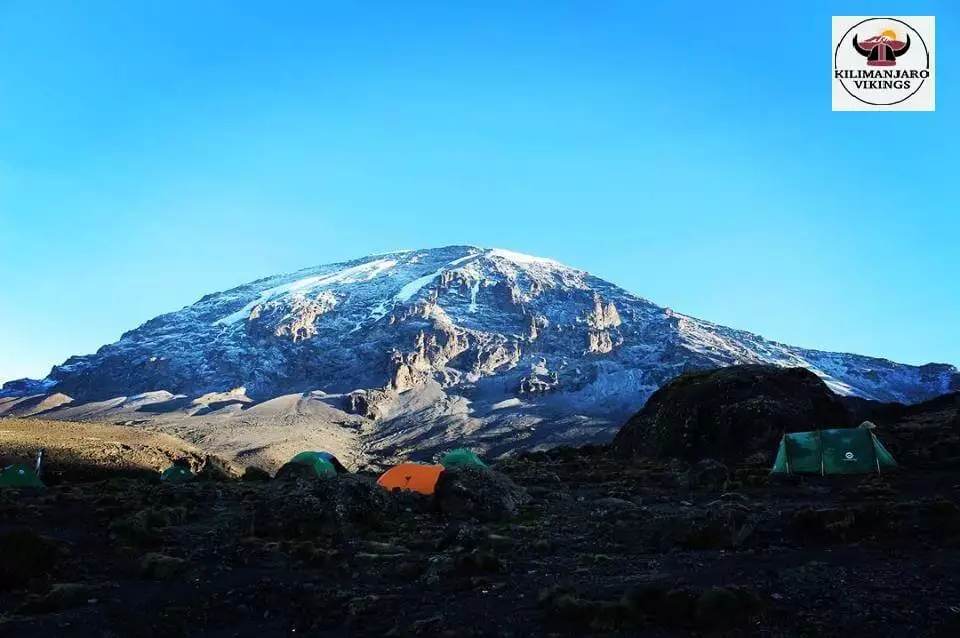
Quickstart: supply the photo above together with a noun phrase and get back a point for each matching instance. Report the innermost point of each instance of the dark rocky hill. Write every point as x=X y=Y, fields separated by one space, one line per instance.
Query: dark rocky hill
x=731 y=414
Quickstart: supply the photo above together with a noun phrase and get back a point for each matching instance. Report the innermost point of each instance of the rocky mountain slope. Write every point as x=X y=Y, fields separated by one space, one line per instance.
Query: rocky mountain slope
x=410 y=350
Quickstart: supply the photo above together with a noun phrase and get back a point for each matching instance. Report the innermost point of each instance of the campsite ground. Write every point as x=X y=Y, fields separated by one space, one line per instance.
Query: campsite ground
x=605 y=546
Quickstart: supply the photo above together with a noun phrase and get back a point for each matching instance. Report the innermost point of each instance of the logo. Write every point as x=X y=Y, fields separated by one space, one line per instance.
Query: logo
x=849 y=456
x=883 y=64
x=883 y=49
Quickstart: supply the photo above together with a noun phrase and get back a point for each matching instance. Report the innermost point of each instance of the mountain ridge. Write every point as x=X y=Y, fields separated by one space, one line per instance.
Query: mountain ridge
x=415 y=348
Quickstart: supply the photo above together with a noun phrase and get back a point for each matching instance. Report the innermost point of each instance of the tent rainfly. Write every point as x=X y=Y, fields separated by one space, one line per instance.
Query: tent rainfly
x=839 y=451
x=176 y=474
x=412 y=477
x=322 y=463
x=461 y=458
x=19 y=475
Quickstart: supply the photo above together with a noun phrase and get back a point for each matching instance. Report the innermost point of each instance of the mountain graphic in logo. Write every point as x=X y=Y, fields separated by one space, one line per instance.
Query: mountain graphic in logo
x=883 y=49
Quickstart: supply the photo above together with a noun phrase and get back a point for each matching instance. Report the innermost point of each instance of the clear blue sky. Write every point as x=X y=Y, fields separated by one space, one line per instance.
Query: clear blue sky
x=153 y=152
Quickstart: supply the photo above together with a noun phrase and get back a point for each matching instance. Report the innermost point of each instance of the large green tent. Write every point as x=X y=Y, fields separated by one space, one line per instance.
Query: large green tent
x=319 y=462
x=177 y=474
x=461 y=458
x=19 y=475
x=839 y=451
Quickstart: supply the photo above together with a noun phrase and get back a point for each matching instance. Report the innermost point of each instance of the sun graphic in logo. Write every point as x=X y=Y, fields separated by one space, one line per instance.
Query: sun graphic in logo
x=889 y=33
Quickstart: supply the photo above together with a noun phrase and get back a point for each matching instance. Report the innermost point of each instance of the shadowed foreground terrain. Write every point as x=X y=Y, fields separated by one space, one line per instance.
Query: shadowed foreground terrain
x=588 y=541
x=603 y=546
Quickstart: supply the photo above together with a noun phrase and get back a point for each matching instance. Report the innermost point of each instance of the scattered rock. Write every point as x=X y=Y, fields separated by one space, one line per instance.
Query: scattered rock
x=329 y=507
x=217 y=469
x=427 y=625
x=720 y=607
x=255 y=475
x=824 y=522
x=707 y=474
x=155 y=566
x=480 y=493
x=61 y=596
x=24 y=555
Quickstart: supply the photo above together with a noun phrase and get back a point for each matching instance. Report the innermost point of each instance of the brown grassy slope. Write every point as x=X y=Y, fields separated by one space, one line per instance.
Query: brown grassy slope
x=87 y=450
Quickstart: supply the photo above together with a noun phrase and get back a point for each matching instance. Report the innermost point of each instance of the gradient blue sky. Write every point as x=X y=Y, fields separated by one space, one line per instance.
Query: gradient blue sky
x=153 y=152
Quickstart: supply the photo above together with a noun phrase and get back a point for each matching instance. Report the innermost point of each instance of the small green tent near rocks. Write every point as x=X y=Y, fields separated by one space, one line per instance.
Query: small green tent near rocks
x=177 y=474
x=19 y=475
x=461 y=458
x=316 y=464
x=839 y=451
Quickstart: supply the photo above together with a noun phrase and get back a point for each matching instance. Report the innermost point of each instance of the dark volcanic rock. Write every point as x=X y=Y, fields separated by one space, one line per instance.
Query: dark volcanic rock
x=324 y=506
x=24 y=555
x=730 y=413
x=707 y=473
x=627 y=550
x=217 y=469
x=922 y=435
x=480 y=493
x=255 y=475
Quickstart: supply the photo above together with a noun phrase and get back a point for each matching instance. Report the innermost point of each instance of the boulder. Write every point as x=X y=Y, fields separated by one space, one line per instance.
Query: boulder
x=217 y=469
x=730 y=414
x=328 y=507
x=253 y=474
x=480 y=493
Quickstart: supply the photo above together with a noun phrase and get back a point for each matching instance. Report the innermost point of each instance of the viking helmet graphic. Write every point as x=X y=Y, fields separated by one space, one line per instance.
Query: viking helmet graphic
x=881 y=53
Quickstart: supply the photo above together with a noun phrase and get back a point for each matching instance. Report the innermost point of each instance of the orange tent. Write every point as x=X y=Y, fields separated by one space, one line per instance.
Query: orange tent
x=411 y=476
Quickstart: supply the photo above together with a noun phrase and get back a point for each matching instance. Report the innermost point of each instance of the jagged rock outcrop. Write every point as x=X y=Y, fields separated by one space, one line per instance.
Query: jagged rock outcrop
x=600 y=342
x=368 y=403
x=602 y=320
x=604 y=316
x=537 y=384
x=298 y=320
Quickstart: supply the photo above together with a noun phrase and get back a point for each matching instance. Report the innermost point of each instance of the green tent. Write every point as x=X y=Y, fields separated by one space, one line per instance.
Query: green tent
x=177 y=474
x=461 y=458
x=19 y=475
x=318 y=461
x=840 y=451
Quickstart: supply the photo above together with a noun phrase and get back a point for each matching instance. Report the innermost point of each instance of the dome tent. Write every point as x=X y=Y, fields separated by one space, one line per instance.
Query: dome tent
x=313 y=464
x=309 y=457
x=19 y=475
x=461 y=458
x=839 y=451
x=179 y=472
x=413 y=477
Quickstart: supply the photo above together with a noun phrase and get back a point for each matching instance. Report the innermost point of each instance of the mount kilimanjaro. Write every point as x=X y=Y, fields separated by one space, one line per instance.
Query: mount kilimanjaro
x=406 y=353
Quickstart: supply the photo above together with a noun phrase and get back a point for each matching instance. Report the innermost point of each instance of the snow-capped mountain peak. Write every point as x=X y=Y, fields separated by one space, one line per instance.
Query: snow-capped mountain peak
x=486 y=341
